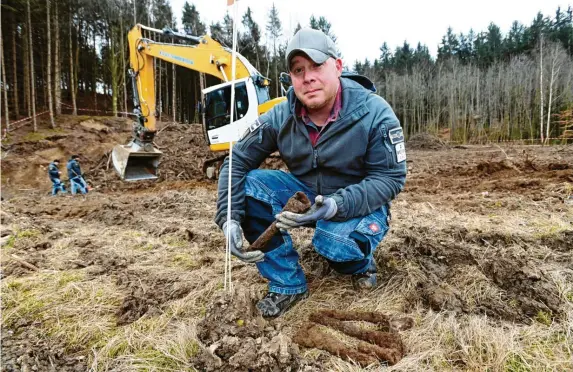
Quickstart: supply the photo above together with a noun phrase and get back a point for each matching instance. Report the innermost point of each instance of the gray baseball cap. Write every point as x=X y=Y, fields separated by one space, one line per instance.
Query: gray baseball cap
x=314 y=43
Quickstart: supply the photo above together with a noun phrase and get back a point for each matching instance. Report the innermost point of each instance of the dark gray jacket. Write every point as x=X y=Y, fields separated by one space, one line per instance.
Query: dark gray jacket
x=354 y=161
x=53 y=171
x=74 y=169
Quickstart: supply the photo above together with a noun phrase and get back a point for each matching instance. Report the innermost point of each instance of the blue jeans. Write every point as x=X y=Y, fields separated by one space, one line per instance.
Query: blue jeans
x=78 y=183
x=347 y=246
x=57 y=185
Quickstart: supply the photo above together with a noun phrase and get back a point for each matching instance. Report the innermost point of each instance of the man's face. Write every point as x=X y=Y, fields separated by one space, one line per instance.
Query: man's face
x=315 y=85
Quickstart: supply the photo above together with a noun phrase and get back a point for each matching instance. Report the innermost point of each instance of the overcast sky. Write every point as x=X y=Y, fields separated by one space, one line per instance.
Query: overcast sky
x=362 y=26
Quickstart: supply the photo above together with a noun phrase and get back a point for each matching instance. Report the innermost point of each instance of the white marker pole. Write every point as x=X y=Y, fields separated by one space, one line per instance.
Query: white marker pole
x=232 y=117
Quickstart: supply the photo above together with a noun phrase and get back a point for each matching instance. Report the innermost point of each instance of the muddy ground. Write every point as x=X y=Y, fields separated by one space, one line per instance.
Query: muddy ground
x=130 y=277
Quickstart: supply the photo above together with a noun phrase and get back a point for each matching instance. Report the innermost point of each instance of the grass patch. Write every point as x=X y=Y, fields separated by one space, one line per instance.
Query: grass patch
x=34 y=137
x=176 y=242
x=9 y=243
x=150 y=359
x=549 y=231
x=543 y=317
x=19 y=235
x=69 y=308
x=515 y=363
x=185 y=261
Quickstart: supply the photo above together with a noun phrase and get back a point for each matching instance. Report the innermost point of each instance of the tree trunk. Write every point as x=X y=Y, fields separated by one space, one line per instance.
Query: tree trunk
x=57 y=67
x=32 y=81
x=27 y=89
x=541 y=86
x=114 y=73
x=94 y=80
x=555 y=67
x=123 y=65
x=76 y=70
x=15 y=72
x=49 y=73
x=2 y=54
x=73 y=81
x=276 y=68
x=159 y=95
x=166 y=90
x=201 y=86
x=173 y=105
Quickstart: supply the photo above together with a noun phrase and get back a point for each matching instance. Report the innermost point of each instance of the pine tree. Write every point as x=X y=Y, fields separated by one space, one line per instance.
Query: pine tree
x=191 y=21
x=32 y=80
x=297 y=28
x=274 y=30
x=49 y=73
x=251 y=39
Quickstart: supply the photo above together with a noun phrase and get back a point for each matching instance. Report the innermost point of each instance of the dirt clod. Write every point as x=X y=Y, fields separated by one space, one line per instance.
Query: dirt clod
x=310 y=335
x=236 y=337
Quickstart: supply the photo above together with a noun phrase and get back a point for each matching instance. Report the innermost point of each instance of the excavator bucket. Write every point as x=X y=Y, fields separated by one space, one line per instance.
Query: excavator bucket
x=134 y=163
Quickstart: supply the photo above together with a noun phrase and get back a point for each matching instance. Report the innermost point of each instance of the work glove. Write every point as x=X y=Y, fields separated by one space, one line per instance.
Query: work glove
x=324 y=208
x=236 y=236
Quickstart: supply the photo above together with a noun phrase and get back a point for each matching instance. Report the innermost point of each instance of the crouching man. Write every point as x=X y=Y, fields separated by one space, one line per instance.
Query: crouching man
x=344 y=148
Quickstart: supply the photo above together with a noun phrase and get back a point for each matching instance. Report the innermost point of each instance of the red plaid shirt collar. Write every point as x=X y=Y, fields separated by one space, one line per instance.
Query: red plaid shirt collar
x=333 y=114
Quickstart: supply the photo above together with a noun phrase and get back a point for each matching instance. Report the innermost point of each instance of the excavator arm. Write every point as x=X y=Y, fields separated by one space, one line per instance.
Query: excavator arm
x=139 y=159
x=207 y=56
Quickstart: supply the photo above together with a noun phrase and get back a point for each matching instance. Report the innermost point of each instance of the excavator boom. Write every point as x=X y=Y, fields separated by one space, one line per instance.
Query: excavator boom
x=139 y=159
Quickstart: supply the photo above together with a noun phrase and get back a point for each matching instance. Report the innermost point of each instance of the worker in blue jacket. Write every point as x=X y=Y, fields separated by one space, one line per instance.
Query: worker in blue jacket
x=75 y=175
x=54 y=174
x=343 y=147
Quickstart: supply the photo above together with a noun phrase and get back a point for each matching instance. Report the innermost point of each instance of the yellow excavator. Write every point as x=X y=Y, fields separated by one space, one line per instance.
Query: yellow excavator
x=139 y=159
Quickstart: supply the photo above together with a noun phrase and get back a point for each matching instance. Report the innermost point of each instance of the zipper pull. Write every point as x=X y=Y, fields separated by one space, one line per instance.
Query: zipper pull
x=315 y=158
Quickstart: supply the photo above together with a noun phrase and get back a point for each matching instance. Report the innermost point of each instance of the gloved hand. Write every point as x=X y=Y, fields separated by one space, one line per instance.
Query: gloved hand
x=324 y=208
x=236 y=236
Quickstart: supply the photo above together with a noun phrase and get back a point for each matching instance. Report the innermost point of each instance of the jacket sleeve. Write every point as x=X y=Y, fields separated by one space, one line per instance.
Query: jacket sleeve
x=385 y=166
x=258 y=142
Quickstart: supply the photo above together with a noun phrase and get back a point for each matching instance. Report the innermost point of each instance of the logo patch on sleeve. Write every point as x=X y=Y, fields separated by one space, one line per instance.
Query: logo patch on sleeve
x=253 y=127
x=374 y=227
x=400 y=152
x=396 y=135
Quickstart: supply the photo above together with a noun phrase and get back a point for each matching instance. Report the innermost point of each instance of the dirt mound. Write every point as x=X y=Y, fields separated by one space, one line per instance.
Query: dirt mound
x=425 y=141
x=147 y=294
x=507 y=285
x=27 y=154
x=238 y=338
x=494 y=167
